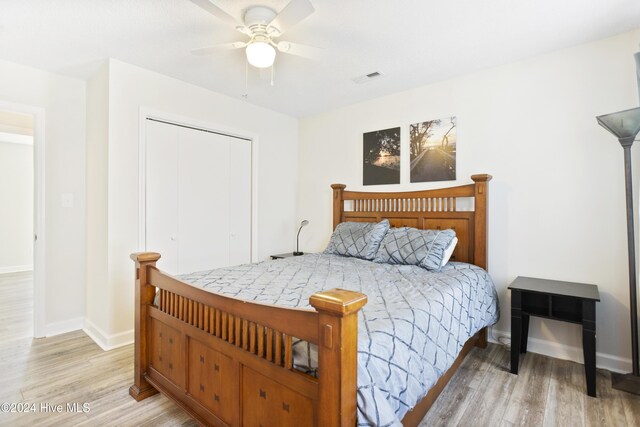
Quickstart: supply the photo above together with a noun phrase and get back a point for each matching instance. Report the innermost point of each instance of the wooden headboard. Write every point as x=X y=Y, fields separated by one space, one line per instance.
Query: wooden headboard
x=462 y=208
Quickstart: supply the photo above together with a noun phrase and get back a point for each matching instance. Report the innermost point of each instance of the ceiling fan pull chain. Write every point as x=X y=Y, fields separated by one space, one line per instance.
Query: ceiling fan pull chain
x=246 y=80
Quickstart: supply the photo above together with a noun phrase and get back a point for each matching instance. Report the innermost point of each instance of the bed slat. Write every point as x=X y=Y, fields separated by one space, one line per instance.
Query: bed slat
x=260 y=341
x=237 y=332
x=288 y=352
x=278 y=356
x=252 y=337
x=223 y=326
x=269 y=344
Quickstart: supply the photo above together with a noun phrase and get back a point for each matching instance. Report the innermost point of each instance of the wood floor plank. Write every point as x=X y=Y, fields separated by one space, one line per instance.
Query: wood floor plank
x=527 y=402
x=608 y=408
x=565 y=400
x=462 y=389
x=631 y=404
x=495 y=389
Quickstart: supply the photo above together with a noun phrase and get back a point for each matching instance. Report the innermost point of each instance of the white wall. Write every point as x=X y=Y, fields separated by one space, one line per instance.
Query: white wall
x=132 y=89
x=97 y=210
x=16 y=207
x=556 y=204
x=63 y=101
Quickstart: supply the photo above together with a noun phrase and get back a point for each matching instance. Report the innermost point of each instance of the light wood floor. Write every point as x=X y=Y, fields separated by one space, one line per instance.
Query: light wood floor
x=71 y=368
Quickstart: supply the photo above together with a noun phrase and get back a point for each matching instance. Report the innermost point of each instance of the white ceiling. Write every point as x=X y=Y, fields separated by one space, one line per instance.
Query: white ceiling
x=412 y=42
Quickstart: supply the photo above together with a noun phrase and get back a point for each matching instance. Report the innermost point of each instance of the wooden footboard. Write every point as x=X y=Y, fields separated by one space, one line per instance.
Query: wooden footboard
x=230 y=362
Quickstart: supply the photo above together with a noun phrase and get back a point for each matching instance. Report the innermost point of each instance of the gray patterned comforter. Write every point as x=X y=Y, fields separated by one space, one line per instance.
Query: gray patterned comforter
x=409 y=333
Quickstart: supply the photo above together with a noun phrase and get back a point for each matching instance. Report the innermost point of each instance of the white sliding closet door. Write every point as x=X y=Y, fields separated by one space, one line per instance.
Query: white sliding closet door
x=162 y=194
x=240 y=202
x=203 y=200
x=198 y=197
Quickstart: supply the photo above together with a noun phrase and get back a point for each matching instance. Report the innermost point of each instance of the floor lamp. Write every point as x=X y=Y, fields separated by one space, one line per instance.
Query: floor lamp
x=625 y=125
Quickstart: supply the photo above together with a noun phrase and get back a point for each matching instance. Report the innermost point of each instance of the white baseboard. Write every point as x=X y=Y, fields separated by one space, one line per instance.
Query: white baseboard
x=57 y=328
x=16 y=269
x=107 y=341
x=561 y=351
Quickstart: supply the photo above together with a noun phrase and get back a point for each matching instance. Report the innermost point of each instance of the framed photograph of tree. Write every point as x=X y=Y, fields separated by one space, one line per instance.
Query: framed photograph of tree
x=433 y=150
x=381 y=157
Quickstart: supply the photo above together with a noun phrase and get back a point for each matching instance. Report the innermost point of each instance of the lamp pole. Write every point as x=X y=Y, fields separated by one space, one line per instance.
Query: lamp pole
x=626 y=146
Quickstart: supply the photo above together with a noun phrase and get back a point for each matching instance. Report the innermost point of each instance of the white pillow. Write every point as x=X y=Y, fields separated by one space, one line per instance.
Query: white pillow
x=448 y=252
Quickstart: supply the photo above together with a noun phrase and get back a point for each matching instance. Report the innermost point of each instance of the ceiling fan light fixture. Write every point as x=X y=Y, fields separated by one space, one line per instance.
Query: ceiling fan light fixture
x=260 y=54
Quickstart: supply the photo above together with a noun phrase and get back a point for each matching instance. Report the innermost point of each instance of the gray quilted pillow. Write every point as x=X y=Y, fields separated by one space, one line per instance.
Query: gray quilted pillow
x=411 y=246
x=357 y=239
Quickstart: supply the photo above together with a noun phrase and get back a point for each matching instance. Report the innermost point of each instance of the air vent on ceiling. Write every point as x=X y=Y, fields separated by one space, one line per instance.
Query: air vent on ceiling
x=367 y=77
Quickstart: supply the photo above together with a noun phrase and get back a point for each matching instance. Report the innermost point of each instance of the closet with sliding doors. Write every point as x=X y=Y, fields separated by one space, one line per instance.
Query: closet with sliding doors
x=197 y=201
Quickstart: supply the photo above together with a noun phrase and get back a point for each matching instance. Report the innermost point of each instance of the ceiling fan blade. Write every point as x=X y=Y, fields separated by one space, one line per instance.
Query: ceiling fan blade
x=300 y=50
x=216 y=11
x=292 y=14
x=218 y=48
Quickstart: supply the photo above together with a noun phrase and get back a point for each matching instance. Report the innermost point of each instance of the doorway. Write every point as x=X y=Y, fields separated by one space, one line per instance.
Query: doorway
x=22 y=220
x=16 y=222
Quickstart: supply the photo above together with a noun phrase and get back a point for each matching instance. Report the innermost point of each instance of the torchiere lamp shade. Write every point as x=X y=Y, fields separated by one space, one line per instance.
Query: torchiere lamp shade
x=623 y=124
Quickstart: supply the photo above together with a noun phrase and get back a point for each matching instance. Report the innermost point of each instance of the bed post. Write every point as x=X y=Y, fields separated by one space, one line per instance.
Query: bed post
x=480 y=234
x=337 y=355
x=338 y=203
x=480 y=216
x=145 y=294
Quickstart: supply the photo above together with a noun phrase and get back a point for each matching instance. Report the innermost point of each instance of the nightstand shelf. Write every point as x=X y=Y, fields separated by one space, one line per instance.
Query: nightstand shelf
x=557 y=307
x=552 y=299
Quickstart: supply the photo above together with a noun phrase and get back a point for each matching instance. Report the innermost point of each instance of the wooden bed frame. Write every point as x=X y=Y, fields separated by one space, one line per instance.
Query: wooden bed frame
x=229 y=362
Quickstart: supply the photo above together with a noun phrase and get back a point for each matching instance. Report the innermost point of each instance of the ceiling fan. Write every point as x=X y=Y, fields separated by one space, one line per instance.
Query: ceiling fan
x=263 y=26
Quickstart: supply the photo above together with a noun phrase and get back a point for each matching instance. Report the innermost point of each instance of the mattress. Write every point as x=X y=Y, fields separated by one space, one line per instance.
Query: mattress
x=409 y=333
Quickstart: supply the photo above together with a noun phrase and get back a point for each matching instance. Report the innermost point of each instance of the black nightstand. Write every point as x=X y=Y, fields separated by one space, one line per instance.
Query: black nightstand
x=552 y=299
x=280 y=256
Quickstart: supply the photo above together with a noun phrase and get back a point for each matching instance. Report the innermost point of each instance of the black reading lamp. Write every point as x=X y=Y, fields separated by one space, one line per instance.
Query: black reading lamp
x=297 y=252
x=625 y=125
